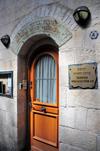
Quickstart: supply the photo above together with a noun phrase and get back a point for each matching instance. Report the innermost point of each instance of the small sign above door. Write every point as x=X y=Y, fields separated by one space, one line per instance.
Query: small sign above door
x=59 y=33
x=83 y=76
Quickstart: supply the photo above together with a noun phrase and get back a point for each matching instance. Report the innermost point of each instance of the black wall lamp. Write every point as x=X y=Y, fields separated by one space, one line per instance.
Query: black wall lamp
x=5 y=40
x=82 y=15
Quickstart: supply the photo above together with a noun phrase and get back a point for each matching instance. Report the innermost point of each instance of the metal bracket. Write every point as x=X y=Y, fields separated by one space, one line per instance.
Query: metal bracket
x=30 y=104
x=31 y=84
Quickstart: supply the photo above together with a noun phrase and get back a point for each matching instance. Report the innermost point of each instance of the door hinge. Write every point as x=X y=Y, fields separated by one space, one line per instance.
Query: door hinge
x=30 y=104
x=31 y=84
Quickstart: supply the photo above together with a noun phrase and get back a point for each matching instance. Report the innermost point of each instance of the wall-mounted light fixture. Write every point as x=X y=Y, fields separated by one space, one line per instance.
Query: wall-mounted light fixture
x=82 y=15
x=5 y=40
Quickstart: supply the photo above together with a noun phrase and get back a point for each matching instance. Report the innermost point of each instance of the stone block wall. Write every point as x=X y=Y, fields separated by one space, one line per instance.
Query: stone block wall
x=8 y=62
x=8 y=106
x=79 y=122
x=79 y=109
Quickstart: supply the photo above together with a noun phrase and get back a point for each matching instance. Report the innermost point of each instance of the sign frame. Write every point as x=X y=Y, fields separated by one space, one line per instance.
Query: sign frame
x=78 y=87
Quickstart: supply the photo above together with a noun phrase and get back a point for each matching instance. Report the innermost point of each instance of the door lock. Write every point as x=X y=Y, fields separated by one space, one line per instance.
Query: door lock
x=43 y=109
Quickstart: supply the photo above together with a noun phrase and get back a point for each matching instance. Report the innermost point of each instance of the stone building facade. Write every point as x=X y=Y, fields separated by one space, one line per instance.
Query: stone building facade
x=79 y=109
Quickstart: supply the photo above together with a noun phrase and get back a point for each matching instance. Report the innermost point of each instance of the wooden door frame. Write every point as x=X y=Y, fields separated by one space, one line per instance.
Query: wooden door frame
x=29 y=69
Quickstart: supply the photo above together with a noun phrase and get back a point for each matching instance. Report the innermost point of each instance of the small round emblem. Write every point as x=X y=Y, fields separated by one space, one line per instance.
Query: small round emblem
x=94 y=34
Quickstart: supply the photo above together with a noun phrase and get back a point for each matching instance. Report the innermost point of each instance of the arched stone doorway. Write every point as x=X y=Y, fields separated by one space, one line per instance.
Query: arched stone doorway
x=23 y=63
x=24 y=45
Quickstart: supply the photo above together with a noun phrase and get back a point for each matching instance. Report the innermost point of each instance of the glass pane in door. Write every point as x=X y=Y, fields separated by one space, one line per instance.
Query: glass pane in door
x=45 y=79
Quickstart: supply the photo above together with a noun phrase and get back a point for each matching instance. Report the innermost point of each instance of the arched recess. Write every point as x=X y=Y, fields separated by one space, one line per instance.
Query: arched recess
x=25 y=56
x=31 y=36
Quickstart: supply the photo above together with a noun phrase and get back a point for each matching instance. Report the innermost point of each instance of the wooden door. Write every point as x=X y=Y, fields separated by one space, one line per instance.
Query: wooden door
x=44 y=101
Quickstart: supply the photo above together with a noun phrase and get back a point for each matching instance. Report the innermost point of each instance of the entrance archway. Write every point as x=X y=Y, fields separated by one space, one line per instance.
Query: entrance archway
x=24 y=44
x=24 y=57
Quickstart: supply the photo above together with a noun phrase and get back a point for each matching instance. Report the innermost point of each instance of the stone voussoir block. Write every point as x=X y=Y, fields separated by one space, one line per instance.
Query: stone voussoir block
x=23 y=21
x=69 y=19
x=51 y=13
x=38 y=11
x=73 y=26
x=42 y=12
x=62 y=13
x=66 y=16
x=57 y=12
x=47 y=11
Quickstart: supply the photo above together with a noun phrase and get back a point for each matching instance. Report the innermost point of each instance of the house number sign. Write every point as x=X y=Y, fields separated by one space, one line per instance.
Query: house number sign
x=94 y=35
x=83 y=76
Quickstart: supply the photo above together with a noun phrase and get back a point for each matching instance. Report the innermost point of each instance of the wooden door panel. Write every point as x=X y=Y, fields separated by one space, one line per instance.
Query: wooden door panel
x=44 y=123
x=40 y=146
x=45 y=128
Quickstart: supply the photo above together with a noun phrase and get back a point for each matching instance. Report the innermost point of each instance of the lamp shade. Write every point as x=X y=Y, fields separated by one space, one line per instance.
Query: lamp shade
x=5 y=40
x=82 y=15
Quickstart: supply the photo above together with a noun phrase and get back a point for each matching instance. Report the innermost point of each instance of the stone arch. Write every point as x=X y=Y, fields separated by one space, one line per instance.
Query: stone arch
x=60 y=21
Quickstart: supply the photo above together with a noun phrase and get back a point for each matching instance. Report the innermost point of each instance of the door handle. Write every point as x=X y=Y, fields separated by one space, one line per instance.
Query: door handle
x=43 y=109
